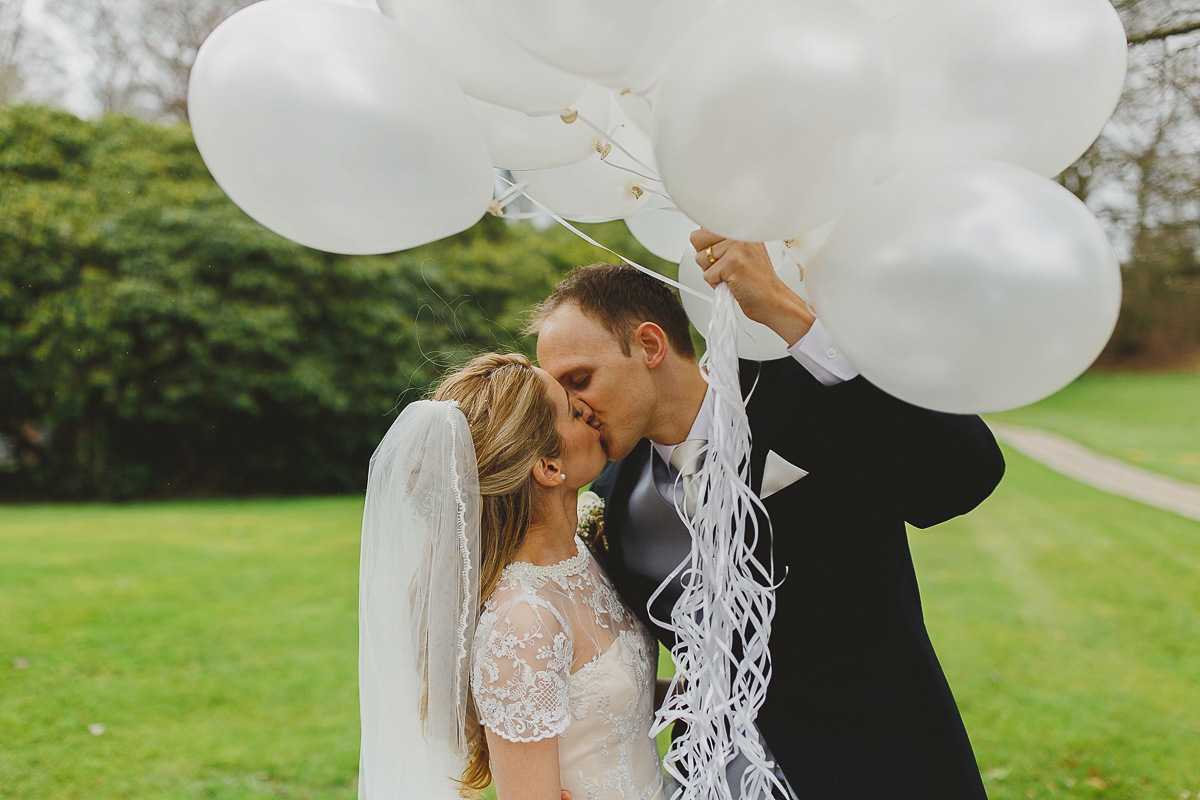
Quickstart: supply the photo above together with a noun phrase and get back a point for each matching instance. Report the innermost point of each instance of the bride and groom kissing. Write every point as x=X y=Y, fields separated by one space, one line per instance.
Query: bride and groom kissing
x=497 y=647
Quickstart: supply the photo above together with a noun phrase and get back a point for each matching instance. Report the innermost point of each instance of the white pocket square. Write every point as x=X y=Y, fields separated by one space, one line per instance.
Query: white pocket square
x=778 y=473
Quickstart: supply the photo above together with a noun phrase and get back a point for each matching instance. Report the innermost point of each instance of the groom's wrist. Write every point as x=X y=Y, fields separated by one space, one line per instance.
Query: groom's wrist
x=790 y=318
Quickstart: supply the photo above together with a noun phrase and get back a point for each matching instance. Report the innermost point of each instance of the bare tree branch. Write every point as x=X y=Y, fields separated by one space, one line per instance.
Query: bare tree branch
x=12 y=34
x=29 y=68
x=1164 y=33
x=171 y=34
x=142 y=50
x=103 y=26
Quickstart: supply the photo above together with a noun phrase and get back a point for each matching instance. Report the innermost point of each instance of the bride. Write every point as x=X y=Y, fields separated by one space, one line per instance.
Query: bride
x=492 y=647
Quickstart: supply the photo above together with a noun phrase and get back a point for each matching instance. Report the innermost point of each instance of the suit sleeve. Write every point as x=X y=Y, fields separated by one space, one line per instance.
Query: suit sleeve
x=930 y=465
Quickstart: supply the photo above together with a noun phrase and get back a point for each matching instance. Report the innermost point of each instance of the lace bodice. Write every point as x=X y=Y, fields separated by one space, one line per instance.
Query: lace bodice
x=558 y=654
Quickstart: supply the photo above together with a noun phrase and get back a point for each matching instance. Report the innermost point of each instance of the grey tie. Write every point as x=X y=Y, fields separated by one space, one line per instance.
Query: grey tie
x=686 y=460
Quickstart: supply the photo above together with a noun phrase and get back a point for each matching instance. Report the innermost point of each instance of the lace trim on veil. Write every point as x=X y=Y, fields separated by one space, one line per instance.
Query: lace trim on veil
x=467 y=611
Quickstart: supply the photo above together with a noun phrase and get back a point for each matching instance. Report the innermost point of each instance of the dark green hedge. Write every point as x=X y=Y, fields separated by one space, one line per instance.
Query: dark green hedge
x=155 y=341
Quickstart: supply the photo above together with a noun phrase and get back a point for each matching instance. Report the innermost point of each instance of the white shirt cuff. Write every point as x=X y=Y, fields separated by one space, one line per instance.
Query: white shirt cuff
x=817 y=353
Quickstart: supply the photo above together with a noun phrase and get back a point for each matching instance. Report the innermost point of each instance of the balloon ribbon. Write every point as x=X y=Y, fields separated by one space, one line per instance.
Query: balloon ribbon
x=722 y=620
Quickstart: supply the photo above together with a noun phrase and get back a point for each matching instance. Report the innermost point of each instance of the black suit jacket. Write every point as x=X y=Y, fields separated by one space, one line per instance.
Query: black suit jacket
x=858 y=707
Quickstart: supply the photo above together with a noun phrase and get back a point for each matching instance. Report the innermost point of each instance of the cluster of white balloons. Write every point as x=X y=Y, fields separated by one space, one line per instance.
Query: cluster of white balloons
x=900 y=150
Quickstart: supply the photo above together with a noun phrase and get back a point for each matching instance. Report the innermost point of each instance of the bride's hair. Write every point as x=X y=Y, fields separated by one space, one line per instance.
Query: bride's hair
x=512 y=424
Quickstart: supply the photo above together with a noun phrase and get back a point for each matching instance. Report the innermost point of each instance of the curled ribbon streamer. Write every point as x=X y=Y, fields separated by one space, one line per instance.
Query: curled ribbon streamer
x=722 y=620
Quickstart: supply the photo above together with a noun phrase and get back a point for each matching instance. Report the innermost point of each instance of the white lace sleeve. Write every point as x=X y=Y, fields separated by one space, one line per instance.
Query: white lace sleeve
x=523 y=655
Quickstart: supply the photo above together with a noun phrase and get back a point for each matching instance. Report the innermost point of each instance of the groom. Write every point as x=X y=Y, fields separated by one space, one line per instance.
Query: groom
x=858 y=707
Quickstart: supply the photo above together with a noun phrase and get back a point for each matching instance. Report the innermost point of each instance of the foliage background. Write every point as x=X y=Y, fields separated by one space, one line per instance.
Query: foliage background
x=154 y=340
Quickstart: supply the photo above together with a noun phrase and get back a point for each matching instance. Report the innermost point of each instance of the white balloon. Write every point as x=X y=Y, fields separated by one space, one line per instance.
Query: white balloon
x=883 y=10
x=330 y=126
x=805 y=247
x=638 y=106
x=1029 y=82
x=520 y=141
x=968 y=287
x=616 y=42
x=773 y=115
x=487 y=64
x=661 y=228
x=630 y=135
x=608 y=185
x=756 y=342
x=664 y=230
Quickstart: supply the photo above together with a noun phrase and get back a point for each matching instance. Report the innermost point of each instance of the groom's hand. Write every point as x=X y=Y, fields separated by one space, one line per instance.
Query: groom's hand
x=747 y=269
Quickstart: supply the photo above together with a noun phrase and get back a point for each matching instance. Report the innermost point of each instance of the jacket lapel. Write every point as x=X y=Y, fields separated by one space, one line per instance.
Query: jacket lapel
x=615 y=485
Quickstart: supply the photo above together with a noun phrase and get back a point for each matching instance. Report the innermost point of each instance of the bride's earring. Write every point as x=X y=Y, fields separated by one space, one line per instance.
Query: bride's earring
x=562 y=477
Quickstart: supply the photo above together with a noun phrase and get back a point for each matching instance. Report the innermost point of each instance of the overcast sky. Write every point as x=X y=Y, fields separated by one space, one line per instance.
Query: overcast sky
x=77 y=98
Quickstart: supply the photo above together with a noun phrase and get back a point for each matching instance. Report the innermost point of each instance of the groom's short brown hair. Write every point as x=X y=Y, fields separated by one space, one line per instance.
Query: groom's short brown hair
x=620 y=298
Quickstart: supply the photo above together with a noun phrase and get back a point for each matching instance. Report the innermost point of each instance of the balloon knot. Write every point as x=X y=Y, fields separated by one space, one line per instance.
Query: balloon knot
x=792 y=242
x=569 y=115
x=495 y=209
x=626 y=91
x=603 y=148
x=637 y=191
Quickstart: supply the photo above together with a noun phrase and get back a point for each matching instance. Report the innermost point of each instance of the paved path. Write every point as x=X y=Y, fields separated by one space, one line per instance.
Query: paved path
x=1103 y=472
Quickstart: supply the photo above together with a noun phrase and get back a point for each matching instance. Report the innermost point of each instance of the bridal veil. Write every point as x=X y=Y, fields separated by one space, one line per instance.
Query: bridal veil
x=418 y=605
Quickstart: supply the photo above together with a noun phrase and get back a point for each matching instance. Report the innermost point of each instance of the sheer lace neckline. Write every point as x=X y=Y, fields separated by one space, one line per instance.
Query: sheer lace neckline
x=575 y=565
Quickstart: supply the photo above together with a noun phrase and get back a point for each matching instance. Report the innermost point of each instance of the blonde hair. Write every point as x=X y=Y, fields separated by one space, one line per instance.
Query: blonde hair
x=512 y=423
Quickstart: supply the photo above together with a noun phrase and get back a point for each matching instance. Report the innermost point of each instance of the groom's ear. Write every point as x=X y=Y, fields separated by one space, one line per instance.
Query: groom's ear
x=547 y=473
x=652 y=341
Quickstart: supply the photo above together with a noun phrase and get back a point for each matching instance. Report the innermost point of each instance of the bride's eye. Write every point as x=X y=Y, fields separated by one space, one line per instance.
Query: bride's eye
x=576 y=413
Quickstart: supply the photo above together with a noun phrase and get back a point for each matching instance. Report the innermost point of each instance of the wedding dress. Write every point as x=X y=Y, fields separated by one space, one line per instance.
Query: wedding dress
x=553 y=653
x=557 y=653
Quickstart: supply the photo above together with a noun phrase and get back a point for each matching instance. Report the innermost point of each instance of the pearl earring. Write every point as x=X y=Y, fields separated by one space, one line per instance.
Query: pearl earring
x=562 y=477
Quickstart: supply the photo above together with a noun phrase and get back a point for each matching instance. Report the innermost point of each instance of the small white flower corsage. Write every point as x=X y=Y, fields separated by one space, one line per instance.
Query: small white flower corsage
x=591 y=520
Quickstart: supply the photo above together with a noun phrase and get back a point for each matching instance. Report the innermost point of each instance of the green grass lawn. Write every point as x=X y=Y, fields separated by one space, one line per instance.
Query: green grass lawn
x=1068 y=624
x=216 y=643
x=1152 y=420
